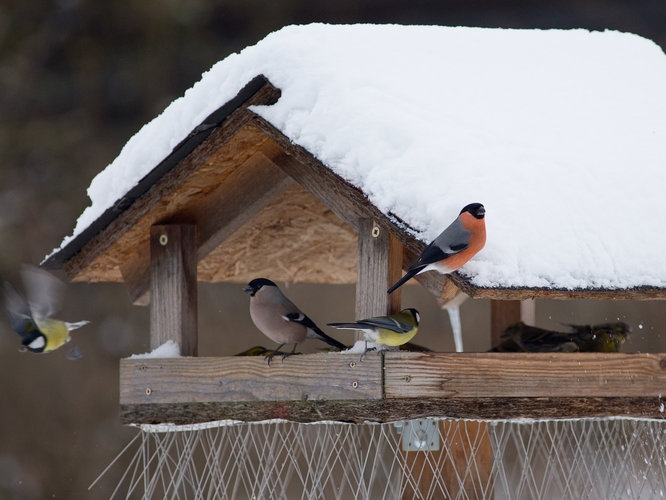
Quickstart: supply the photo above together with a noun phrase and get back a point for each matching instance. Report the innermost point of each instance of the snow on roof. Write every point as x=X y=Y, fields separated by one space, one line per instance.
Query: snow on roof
x=560 y=134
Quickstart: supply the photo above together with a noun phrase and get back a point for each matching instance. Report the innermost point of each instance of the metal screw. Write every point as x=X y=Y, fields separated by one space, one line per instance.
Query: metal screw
x=352 y=364
x=354 y=384
x=408 y=378
x=148 y=391
x=143 y=368
x=163 y=239
x=375 y=231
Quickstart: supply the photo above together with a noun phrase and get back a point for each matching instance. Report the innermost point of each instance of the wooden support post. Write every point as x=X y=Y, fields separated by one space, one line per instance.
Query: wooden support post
x=379 y=266
x=463 y=462
x=173 y=286
x=502 y=314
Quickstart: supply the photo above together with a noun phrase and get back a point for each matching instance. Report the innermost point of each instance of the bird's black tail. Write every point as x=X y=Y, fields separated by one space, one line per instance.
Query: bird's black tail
x=409 y=275
x=329 y=340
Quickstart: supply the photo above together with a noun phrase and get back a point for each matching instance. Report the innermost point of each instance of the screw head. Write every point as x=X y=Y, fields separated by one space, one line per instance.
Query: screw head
x=354 y=384
x=148 y=391
x=164 y=239
x=375 y=232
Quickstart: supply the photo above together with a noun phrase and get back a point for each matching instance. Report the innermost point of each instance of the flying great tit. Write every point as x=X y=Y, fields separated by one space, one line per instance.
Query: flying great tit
x=31 y=318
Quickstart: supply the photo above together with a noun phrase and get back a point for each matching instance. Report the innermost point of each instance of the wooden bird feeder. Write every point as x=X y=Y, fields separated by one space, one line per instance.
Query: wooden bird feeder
x=236 y=186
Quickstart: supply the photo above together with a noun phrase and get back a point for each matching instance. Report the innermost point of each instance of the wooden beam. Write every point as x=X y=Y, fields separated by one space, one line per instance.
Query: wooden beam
x=173 y=286
x=309 y=377
x=382 y=410
x=440 y=375
x=246 y=190
x=502 y=314
x=379 y=266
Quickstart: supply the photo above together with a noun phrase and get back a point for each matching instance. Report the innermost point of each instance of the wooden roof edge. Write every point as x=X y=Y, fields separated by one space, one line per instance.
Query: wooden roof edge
x=195 y=138
x=526 y=293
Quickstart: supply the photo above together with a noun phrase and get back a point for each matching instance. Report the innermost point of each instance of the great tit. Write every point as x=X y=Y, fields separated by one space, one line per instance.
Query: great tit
x=394 y=330
x=31 y=318
x=280 y=320
x=458 y=243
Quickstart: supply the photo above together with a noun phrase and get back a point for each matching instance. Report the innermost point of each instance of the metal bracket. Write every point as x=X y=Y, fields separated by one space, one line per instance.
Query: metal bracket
x=419 y=435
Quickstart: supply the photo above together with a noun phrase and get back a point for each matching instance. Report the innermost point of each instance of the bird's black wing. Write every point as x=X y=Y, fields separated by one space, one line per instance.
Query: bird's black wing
x=373 y=323
x=299 y=317
x=18 y=311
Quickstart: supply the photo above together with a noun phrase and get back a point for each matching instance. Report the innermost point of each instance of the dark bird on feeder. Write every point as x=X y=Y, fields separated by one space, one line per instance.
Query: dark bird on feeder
x=391 y=331
x=280 y=320
x=31 y=318
x=458 y=243
x=606 y=337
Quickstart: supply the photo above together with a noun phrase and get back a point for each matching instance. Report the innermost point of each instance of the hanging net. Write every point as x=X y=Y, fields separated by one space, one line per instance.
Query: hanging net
x=425 y=459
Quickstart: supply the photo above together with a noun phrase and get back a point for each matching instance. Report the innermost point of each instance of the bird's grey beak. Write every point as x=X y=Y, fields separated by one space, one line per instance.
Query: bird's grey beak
x=249 y=290
x=482 y=211
x=23 y=349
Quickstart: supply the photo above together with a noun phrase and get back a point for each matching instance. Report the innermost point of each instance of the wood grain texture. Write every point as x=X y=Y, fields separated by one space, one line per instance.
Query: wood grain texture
x=308 y=377
x=173 y=286
x=503 y=313
x=294 y=239
x=391 y=410
x=218 y=213
x=379 y=266
x=476 y=375
x=100 y=258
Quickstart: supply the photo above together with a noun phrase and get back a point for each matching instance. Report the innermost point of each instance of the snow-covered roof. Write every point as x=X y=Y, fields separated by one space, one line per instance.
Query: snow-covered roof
x=559 y=133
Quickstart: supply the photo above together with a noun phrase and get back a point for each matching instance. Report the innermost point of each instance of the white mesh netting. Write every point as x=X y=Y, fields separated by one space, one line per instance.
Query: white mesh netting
x=558 y=459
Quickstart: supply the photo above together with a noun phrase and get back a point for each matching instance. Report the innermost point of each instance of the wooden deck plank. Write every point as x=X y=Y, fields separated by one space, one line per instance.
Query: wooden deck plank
x=476 y=375
x=202 y=380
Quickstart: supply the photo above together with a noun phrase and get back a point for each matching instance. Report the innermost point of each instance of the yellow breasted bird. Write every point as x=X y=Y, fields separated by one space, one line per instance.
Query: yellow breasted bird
x=394 y=330
x=606 y=337
x=31 y=318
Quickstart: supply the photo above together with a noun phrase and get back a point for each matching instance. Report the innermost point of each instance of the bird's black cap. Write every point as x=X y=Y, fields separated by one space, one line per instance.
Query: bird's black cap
x=415 y=313
x=476 y=209
x=29 y=338
x=255 y=285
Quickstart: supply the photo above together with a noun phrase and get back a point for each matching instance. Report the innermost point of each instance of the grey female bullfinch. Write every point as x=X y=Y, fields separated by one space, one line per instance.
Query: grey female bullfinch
x=280 y=320
x=458 y=243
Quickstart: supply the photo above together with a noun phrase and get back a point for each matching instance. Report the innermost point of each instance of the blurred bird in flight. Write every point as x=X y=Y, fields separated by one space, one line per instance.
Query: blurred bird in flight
x=31 y=317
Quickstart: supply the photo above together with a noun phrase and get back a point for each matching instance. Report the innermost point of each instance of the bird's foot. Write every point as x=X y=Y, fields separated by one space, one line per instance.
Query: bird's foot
x=269 y=357
x=367 y=349
x=287 y=354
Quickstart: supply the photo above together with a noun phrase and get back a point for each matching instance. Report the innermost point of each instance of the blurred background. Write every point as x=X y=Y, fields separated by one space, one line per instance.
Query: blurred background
x=77 y=79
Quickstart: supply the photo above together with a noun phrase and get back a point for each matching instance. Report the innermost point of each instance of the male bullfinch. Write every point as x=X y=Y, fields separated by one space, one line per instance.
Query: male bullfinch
x=31 y=318
x=607 y=337
x=280 y=320
x=458 y=243
x=394 y=330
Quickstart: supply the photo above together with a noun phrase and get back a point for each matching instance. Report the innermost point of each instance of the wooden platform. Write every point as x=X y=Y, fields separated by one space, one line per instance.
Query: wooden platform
x=393 y=386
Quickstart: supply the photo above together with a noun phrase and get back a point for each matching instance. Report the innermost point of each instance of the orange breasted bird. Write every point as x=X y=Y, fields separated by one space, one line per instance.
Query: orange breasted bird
x=458 y=243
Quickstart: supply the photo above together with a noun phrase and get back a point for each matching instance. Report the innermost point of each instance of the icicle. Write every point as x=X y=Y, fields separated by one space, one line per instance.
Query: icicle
x=453 y=308
x=456 y=326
